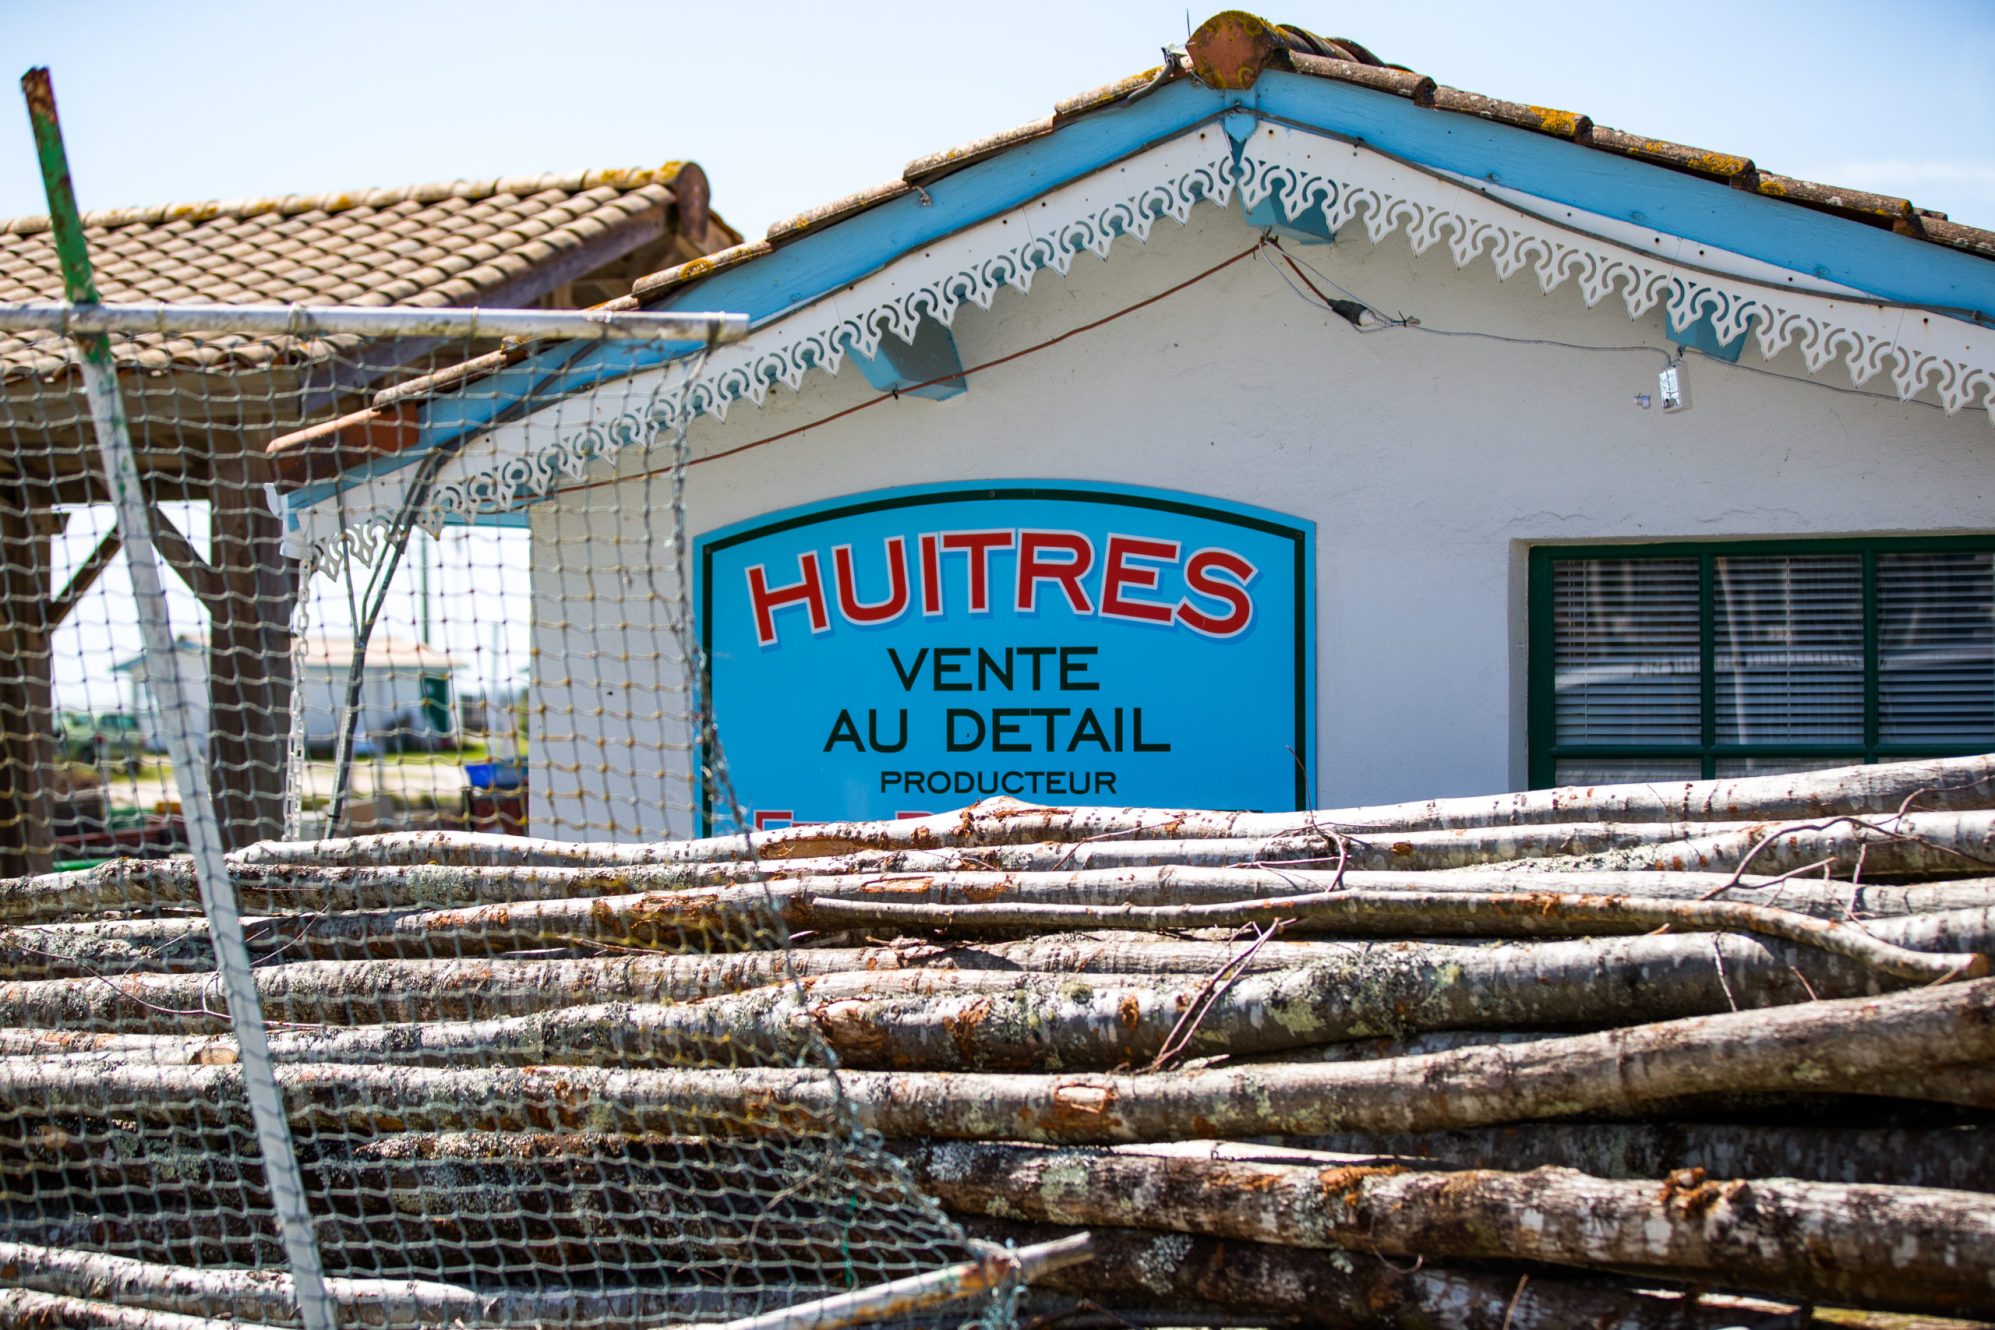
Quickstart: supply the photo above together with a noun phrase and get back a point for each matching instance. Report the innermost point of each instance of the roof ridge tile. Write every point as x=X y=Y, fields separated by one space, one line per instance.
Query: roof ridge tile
x=620 y=179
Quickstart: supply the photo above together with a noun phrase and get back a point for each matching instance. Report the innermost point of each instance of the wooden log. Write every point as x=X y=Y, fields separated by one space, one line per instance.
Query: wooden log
x=1956 y=843
x=1916 y=843
x=1953 y=1156
x=1154 y=872
x=1360 y=913
x=1942 y=784
x=1888 y=1248
x=189 y=1298
x=1865 y=1045
x=1356 y=1292
x=941 y=1018
x=253 y=1295
x=940 y=1022
x=757 y=915
x=1960 y=1157
x=1968 y=1084
x=1332 y=992
x=27 y=1307
x=1166 y=872
x=58 y=951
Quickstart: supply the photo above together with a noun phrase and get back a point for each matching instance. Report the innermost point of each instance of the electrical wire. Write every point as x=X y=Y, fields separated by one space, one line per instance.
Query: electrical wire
x=1385 y=323
x=893 y=394
x=1813 y=383
x=1388 y=323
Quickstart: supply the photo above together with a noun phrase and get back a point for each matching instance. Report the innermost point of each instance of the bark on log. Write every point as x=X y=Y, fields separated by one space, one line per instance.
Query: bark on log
x=1166 y=872
x=1887 y=1248
x=1956 y=843
x=1959 y=1157
x=1357 y=1293
x=66 y=950
x=359 y=992
x=1326 y=992
x=943 y=1022
x=1943 y=784
x=751 y=916
x=26 y=1307
x=1110 y=872
x=1373 y=913
x=1866 y=1045
x=267 y=1295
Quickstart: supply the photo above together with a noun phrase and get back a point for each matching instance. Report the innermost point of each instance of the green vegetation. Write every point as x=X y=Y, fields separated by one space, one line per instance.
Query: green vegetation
x=471 y=751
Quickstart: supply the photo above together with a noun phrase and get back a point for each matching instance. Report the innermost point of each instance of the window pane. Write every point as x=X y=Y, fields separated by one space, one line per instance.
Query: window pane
x=1789 y=648
x=1625 y=651
x=1626 y=770
x=1936 y=647
x=1774 y=766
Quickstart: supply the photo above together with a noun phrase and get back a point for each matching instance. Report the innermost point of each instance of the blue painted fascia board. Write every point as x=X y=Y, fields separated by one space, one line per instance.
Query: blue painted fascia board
x=1885 y=265
x=1872 y=259
x=814 y=264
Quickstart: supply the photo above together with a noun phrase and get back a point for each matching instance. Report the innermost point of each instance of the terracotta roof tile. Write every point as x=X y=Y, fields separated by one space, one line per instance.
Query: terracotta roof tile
x=1230 y=50
x=1233 y=48
x=453 y=242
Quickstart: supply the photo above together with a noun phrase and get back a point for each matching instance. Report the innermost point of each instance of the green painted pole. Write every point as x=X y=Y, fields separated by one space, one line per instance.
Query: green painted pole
x=190 y=770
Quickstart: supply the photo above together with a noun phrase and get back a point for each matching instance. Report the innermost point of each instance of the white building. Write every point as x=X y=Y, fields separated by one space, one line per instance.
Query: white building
x=406 y=696
x=190 y=658
x=1321 y=416
x=406 y=699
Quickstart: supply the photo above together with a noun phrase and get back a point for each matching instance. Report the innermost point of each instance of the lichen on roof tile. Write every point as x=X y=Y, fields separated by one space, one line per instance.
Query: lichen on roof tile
x=428 y=245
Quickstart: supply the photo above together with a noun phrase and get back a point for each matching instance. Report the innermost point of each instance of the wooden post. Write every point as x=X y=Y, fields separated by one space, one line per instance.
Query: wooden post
x=27 y=714
x=249 y=653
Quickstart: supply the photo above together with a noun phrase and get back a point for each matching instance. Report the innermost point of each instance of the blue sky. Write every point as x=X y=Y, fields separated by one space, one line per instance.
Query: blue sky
x=788 y=104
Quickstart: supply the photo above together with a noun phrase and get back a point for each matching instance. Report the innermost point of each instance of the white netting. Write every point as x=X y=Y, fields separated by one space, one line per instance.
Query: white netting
x=523 y=1075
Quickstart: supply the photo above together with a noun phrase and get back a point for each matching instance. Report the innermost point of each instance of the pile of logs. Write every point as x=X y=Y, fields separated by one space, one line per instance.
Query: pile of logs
x=1692 y=1055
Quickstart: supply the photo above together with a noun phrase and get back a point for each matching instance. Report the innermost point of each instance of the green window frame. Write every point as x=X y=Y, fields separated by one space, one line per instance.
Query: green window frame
x=1545 y=752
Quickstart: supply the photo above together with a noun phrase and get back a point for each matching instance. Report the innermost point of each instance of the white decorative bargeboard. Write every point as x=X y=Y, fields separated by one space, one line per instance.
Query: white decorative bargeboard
x=1353 y=188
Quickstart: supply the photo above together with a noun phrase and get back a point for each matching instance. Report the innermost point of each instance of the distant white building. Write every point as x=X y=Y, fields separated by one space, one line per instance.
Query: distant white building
x=190 y=657
x=407 y=696
x=407 y=693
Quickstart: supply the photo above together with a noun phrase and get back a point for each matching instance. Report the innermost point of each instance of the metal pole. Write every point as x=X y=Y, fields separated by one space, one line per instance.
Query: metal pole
x=87 y=317
x=901 y=1297
x=190 y=768
x=423 y=568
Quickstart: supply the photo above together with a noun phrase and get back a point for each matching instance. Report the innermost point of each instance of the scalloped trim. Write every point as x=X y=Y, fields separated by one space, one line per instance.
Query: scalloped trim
x=1921 y=350
x=1344 y=182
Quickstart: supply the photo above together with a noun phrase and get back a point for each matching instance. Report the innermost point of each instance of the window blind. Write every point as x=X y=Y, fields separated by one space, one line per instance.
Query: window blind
x=1789 y=657
x=1674 y=661
x=1936 y=647
x=1626 y=651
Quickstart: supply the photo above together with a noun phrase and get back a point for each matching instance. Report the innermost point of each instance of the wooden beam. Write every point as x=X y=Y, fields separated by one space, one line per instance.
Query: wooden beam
x=84 y=577
x=249 y=650
x=188 y=566
x=27 y=712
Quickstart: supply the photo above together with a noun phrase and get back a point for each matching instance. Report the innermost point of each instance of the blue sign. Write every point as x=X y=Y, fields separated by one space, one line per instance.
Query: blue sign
x=911 y=651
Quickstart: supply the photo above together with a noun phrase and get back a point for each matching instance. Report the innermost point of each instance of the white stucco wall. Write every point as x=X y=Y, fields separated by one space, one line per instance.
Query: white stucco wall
x=1430 y=465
